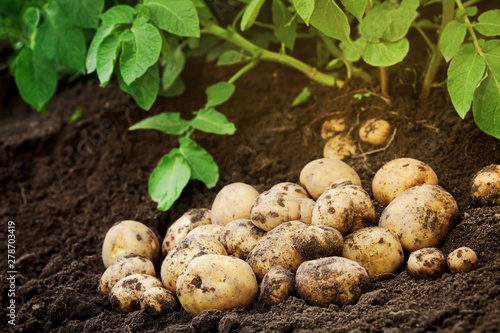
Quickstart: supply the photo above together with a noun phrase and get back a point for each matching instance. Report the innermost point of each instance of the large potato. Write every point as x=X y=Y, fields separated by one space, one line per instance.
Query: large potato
x=180 y=228
x=233 y=202
x=485 y=189
x=421 y=216
x=427 y=262
x=276 y=248
x=292 y=189
x=216 y=282
x=183 y=252
x=272 y=208
x=239 y=237
x=316 y=241
x=334 y=208
x=277 y=285
x=125 y=296
x=331 y=280
x=130 y=237
x=376 y=249
x=318 y=174
x=399 y=175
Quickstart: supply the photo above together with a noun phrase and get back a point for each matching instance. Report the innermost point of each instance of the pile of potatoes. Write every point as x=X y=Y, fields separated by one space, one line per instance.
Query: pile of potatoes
x=320 y=240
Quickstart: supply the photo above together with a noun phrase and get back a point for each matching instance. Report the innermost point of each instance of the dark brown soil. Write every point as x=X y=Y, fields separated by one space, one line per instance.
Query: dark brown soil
x=65 y=184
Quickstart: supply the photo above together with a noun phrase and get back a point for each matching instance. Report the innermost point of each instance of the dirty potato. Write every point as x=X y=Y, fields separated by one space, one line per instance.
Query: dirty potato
x=485 y=189
x=233 y=202
x=125 y=296
x=375 y=131
x=239 y=237
x=317 y=241
x=158 y=300
x=399 y=175
x=306 y=209
x=334 y=208
x=462 y=260
x=271 y=208
x=213 y=230
x=277 y=285
x=332 y=126
x=130 y=237
x=339 y=147
x=426 y=263
x=217 y=282
x=421 y=216
x=292 y=189
x=330 y=280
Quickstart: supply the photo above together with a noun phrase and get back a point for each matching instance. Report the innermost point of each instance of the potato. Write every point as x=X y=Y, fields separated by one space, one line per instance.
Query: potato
x=233 y=202
x=125 y=296
x=213 y=230
x=339 y=147
x=426 y=263
x=399 y=175
x=123 y=267
x=331 y=280
x=183 y=252
x=239 y=236
x=335 y=209
x=316 y=241
x=376 y=249
x=462 y=260
x=276 y=248
x=485 y=189
x=332 y=126
x=306 y=209
x=364 y=211
x=130 y=237
x=318 y=174
x=277 y=285
x=216 y=282
x=158 y=300
x=271 y=208
x=292 y=189
x=375 y=131
x=421 y=216
x=180 y=228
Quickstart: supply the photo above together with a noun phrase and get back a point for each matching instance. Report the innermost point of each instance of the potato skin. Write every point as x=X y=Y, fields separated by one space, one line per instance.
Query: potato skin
x=318 y=174
x=334 y=208
x=462 y=260
x=306 y=209
x=375 y=131
x=158 y=300
x=292 y=189
x=233 y=202
x=426 y=263
x=330 y=280
x=339 y=147
x=130 y=237
x=216 y=282
x=277 y=285
x=376 y=249
x=398 y=175
x=239 y=237
x=212 y=230
x=485 y=188
x=125 y=296
x=317 y=241
x=271 y=208
x=421 y=216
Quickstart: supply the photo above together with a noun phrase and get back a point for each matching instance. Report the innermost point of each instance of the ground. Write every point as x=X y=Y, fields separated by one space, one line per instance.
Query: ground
x=65 y=184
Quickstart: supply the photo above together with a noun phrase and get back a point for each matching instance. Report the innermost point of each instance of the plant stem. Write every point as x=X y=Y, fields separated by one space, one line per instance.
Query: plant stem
x=384 y=81
x=471 y=30
x=424 y=36
x=243 y=70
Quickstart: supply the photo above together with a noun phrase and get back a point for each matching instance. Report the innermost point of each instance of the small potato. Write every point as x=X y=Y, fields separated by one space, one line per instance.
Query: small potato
x=277 y=285
x=399 y=175
x=124 y=267
x=375 y=131
x=183 y=252
x=376 y=249
x=271 y=208
x=317 y=241
x=125 y=296
x=276 y=248
x=318 y=174
x=462 y=260
x=332 y=126
x=426 y=263
x=334 y=208
x=216 y=282
x=239 y=237
x=158 y=300
x=233 y=202
x=421 y=216
x=130 y=237
x=292 y=189
x=306 y=209
x=339 y=147
x=485 y=189
x=213 y=230
x=330 y=280
x=180 y=228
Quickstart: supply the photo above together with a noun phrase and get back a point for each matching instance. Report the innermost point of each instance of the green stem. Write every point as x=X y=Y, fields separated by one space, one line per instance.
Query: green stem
x=471 y=30
x=470 y=3
x=424 y=35
x=243 y=70
x=384 y=81
x=264 y=25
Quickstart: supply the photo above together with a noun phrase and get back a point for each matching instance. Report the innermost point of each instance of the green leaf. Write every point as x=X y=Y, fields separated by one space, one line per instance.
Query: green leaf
x=166 y=122
x=120 y=14
x=202 y=9
x=175 y=64
x=384 y=53
x=464 y=74
x=36 y=78
x=356 y=7
x=142 y=14
x=486 y=106
x=251 y=13
x=452 y=37
x=491 y=51
x=326 y=12
x=470 y=11
x=83 y=13
x=212 y=121
x=304 y=8
x=284 y=28
x=178 y=17
x=141 y=46
x=352 y=52
x=302 y=97
x=10 y=7
x=203 y=166
x=489 y=23
x=107 y=52
x=176 y=89
x=168 y=179
x=101 y=33
x=31 y=17
x=218 y=93
x=144 y=89
x=77 y=115
x=232 y=57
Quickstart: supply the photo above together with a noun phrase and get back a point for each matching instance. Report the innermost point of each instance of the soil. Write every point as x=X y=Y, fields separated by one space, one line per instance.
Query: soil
x=65 y=184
